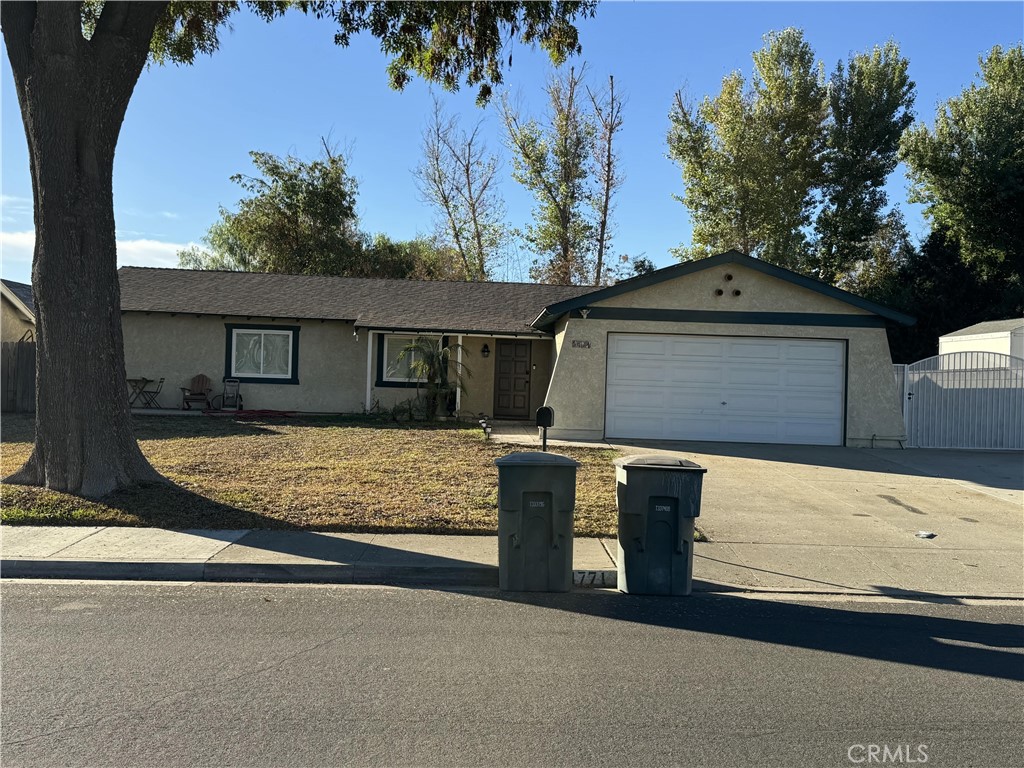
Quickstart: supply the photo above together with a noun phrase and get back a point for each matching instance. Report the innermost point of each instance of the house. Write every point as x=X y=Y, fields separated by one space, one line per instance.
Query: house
x=1005 y=337
x=17 y=311
x=728 y=348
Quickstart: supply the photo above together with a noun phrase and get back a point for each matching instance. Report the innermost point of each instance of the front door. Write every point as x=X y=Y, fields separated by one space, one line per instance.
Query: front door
x=512 y=379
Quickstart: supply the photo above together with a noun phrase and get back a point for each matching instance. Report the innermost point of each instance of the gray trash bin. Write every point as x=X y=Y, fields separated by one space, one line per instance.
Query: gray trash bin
x=658 y=498
x=536 y=500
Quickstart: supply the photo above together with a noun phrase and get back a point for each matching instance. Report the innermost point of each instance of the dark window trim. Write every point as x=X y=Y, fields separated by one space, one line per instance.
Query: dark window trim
x=230 y=328
x=380 y=380
x=732 y=318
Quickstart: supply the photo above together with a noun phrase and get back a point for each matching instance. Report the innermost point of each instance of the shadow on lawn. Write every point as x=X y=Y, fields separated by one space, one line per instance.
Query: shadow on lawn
x=156 y=427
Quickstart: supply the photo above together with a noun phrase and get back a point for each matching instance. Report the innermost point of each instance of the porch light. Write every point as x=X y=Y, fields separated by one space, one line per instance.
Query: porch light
x=485 y=351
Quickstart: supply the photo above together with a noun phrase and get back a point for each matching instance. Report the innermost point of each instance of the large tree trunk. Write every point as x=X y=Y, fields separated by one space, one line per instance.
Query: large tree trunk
x=73 y=95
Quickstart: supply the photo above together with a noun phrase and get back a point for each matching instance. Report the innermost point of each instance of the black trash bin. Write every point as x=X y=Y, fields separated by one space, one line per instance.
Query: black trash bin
x=536 y=502
x=658 y=498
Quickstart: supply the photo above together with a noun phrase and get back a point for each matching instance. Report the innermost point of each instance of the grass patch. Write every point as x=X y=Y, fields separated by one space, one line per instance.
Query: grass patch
x=325 y=474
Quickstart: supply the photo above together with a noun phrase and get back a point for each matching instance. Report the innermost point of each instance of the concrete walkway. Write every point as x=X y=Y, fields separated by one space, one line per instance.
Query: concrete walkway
x=471 y=561
x=260 y=555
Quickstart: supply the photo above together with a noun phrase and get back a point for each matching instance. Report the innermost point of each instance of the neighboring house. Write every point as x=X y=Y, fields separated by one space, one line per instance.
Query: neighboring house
x=728 y=348
x=1005 y=337
x=17 y=311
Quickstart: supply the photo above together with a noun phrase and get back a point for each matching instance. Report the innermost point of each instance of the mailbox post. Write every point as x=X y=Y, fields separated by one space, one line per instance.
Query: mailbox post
x=545 y=419
x=536 y=501
x=658 y=498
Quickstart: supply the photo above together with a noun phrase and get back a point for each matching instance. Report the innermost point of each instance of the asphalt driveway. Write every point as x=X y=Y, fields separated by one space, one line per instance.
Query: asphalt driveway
x=816 y=518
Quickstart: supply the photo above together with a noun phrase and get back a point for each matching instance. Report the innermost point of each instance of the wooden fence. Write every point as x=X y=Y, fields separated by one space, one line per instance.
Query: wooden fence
x=18 y=375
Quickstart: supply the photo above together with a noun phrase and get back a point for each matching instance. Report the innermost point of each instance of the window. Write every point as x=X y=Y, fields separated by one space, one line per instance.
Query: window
x=395 y=369
x=263 y=354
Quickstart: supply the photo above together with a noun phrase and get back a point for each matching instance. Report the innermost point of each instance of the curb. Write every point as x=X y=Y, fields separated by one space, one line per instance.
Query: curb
x=332 y=573
x=479 y=576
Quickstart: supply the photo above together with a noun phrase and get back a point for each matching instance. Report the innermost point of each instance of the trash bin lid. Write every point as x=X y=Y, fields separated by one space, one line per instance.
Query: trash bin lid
x=535 y=458
x=654 y=461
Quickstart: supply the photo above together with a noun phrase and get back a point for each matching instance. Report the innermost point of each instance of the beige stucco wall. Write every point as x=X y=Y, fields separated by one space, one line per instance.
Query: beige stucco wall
x=332 y=362
x=577 y=389
x=12 y=322
x=758 y=293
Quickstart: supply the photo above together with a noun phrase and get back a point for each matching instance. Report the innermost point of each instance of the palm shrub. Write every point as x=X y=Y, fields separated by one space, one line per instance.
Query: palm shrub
x=438 y=372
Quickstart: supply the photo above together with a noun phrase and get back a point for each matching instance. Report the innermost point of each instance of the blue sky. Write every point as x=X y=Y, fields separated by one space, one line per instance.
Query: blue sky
x=279 y=87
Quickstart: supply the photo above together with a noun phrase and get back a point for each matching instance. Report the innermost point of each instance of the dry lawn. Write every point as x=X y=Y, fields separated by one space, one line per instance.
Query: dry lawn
x=326 y=474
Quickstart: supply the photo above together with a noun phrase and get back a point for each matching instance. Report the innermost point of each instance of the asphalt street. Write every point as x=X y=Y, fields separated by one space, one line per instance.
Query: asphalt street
x=135 y=674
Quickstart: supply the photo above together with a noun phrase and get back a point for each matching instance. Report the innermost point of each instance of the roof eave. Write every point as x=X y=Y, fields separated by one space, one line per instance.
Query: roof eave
x=551 y=312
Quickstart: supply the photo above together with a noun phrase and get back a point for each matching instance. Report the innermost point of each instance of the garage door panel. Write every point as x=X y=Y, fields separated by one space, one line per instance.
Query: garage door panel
x=754 y=351
x=696 y=373
x=693 y=401
x=817 y=406
x=710 y=349
x=754 y=375
x=814 y=352
x=636 y=372
x=639 y=399
x=630 y=346
x=725 y=388
x=808 y=378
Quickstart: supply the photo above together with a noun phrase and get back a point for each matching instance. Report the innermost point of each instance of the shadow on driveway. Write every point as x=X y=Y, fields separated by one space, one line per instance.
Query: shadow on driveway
x=996 y=469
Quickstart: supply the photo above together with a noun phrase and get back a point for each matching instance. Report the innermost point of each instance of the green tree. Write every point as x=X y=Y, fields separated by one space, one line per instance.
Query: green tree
x=299 y=218
x=937 y=287
x=418 y=259
x=870 y=106
x=75 y=66
x=968 y=169
x=750 y=156
x=553 y=161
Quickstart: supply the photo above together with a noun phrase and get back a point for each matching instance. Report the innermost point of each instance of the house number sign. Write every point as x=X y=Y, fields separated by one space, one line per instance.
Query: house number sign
x=580 y=344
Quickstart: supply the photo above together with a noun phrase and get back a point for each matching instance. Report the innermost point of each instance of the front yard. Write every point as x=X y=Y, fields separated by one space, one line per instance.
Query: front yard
x=326 y=474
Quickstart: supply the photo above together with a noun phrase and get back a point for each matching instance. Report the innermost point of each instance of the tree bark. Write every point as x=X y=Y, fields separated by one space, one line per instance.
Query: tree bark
x=73 y=93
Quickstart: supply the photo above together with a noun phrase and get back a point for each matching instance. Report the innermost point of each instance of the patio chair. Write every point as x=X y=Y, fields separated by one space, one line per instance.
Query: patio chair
x=196 y=392
x=149 y=396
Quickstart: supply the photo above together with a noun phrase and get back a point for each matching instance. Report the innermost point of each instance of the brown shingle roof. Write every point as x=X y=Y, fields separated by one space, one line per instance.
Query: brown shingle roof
x=369 y=302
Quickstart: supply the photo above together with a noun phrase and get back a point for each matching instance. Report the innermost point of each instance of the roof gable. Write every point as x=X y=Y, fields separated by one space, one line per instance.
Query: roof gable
x=552 y=312
x=20 y=295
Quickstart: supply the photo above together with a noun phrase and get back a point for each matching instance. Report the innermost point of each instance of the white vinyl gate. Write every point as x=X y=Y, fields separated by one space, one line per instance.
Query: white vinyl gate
x=964 y=400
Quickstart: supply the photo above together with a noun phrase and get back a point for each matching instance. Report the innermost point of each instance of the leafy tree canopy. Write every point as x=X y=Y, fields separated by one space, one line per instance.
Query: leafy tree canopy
x=969 y=169
x=443 y=42
x=791 y=167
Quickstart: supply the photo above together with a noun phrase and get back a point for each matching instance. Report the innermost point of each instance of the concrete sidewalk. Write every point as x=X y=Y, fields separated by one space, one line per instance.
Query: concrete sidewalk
x=262 y=555
x=471 y=561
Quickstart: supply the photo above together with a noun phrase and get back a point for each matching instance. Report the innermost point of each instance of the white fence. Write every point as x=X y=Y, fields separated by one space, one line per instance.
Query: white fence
x=963 y=400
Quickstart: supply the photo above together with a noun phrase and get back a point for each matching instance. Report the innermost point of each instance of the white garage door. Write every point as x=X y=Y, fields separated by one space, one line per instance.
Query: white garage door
x=733 y=389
